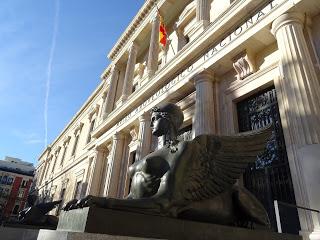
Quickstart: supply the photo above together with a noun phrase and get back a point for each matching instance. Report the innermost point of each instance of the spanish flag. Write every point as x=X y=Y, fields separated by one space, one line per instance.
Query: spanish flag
x=162 y=32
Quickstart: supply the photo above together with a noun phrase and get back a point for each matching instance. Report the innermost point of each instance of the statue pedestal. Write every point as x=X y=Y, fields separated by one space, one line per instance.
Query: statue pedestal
x=119 y=223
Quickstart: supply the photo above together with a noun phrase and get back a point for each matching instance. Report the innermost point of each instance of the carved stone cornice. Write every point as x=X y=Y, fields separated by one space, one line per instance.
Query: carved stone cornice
x=138 y=19
x=78 y=127
x=66 y=140
x=93 y=110
x=133 y=134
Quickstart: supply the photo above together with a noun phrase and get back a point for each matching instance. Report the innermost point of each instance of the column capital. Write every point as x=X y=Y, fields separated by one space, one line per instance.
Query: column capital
x=145 y=117
x=154 y=16
x=105 y=93
x=285 y=19
x=134 y=46
x=118 y=136
x=204 y=76
x=99 y=149
x=114 y=67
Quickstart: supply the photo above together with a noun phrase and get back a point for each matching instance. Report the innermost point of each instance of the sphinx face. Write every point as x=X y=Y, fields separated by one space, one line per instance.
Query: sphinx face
x=159 y=125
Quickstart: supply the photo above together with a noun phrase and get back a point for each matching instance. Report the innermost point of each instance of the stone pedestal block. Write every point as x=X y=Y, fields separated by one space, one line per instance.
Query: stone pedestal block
x=119 y=223
x=17 y=233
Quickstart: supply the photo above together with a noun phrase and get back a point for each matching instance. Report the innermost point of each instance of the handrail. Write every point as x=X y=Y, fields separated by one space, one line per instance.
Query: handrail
x=276 y=209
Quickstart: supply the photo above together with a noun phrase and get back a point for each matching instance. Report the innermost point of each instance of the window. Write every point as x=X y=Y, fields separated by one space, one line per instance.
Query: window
x=4 y=180
x=63 y=154
x=21 y=193
x=185 y=134
x=15 y=210
x=132 y=160
x=62 y=193
x=90 y=130
x=75 y=145
x=77 y=191
x=23 y=184
x=10 y=180
x=187 y=39
x=134 y=87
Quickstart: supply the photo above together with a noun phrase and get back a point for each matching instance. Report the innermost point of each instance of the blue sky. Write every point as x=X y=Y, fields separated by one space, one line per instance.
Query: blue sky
x=60 y=42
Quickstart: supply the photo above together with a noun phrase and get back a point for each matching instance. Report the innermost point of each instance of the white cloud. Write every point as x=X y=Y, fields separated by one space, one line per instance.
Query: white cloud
x=49 y=69
x=27 y=137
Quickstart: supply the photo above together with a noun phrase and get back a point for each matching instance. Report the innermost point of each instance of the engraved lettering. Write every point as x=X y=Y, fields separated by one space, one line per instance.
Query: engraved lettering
x=206 y=56
x=249 y=22
x=223 y=44
x=238 y=31
x=260 y=15
x=272 y=6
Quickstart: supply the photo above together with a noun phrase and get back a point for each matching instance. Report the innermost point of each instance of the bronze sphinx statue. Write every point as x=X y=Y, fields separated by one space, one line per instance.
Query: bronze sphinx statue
x=37 y=213
x=193 y=180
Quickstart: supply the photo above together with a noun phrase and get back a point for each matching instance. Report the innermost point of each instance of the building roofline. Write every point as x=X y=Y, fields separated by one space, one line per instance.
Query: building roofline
x=137 y=20
x=76 y=116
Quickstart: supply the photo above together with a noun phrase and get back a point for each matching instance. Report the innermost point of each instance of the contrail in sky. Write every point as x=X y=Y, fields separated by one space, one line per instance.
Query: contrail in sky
x=49 y=68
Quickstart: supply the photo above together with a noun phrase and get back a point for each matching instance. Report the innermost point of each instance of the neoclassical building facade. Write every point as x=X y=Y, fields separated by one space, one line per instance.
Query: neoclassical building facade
x=232 y=66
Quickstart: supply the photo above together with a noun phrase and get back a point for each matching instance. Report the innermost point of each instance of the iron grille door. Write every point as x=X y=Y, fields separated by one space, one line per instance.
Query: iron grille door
x=269 y=177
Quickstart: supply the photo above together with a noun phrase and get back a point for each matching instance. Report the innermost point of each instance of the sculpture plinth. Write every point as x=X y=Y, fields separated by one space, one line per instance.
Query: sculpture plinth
x=120 y=223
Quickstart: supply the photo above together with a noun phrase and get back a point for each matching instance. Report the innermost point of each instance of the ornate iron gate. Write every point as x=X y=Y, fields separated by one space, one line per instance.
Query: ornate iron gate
x=269 y=177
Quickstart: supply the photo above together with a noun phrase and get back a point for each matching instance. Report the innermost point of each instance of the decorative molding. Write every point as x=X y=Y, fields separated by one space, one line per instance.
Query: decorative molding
x=93 y=110
x=57 y=150
x=244 y=65
x=134 y=138
x=78 y=127
x=253 y=77
x=66 y=140
x=136 y=22
x=133 y=134
x=79 y=173
x=186 y=15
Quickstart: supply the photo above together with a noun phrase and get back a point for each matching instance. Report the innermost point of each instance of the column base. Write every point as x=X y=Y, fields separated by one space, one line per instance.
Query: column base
x=305 y=235
x=315 y=235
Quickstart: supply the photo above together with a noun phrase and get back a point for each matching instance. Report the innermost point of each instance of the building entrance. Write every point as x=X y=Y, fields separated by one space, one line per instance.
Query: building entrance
x=269 y=177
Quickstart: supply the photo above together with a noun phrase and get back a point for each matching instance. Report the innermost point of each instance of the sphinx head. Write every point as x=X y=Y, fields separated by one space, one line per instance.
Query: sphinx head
x=166 y=119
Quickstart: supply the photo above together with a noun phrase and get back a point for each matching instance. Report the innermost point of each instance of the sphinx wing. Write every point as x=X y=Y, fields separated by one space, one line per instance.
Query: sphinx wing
x=219 y=161
x=47 y=207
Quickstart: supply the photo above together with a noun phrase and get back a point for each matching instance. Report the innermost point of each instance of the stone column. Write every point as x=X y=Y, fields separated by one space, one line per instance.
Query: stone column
x=182 y=41
x=203 y=12
x=128 y=79
x=109 y=102
x=104 y=98
x=96 y=172
x=144 y=138
x=154 y=47
x=115 y=164
x=204 y=117
x=107 y=171
x=298 y=94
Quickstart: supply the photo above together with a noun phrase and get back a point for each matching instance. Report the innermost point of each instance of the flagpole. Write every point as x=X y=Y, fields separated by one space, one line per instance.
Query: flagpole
x=158 y=11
